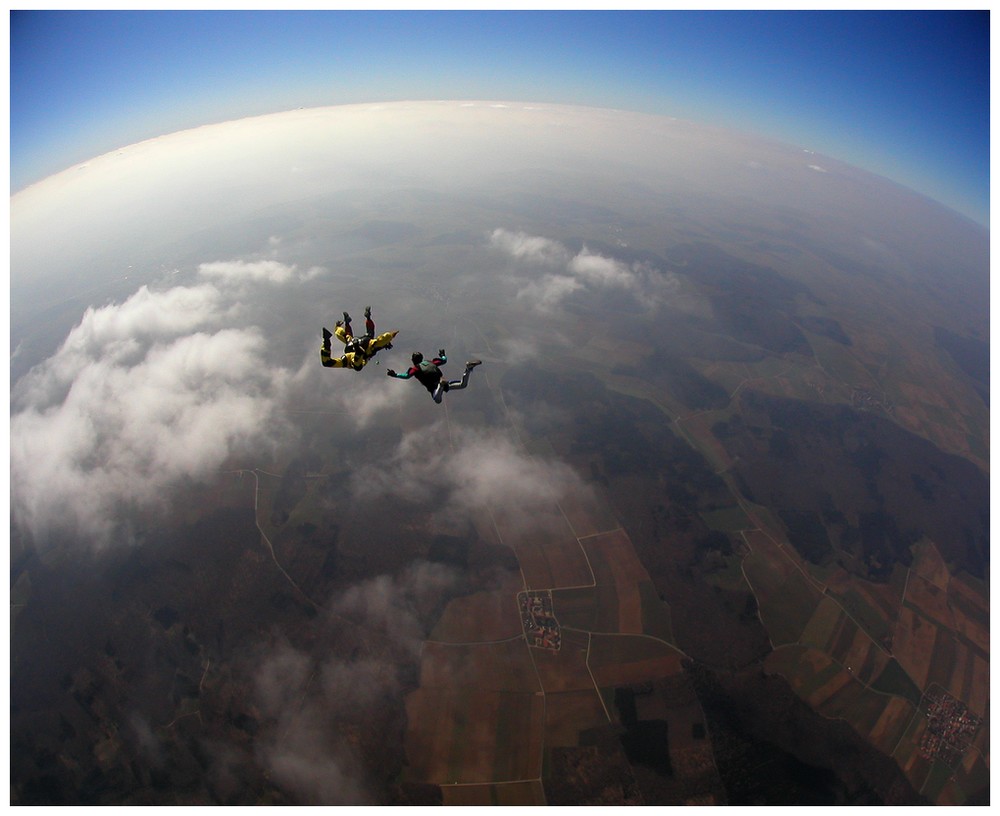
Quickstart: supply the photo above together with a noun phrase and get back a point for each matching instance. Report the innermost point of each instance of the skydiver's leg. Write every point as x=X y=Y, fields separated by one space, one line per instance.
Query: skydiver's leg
x=438 y=393
x=455 y=385
x=343 y=332
x=327 y=360
x=324 y=351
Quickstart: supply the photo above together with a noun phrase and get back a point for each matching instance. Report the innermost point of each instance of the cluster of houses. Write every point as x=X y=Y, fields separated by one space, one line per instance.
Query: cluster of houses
x=950 y=728
x=539 y=622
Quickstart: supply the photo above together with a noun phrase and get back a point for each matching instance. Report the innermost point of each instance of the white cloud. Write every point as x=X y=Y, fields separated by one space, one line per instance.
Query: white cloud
x=549 y=291
x=121 y=330
x=305 y=750
x=530 y=248
x=262 y=271
x=391 y=606
x=601 y=271
x=324 y=714
x=371 y=398
x=481 y=469
x=582 y=273
x=141 y=396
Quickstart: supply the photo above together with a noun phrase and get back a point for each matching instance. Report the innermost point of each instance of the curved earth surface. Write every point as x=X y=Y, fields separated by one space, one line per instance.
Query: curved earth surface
x=709 y=524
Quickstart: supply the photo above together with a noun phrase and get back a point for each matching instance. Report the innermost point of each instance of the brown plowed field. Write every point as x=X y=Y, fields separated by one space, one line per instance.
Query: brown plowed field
x=891 y=724
x=589 y=515
x=516 y=793
x=548 y=552
x=483 y=616
x=491 y=667
x=930 y=599
x=913 y=644
x=569 y=713
x=614 y=562
x=466 y=735
x=619 y=660
x=566 y=669
x=972 y=613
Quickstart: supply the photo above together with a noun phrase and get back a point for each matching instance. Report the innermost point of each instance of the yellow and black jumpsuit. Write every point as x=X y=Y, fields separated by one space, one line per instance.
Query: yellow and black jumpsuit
x=357 y=350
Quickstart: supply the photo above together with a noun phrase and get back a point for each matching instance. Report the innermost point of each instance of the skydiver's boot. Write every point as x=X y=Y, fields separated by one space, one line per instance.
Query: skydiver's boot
x=327 y=334
x=368 y=312
x=347 y=318
x=473 y=363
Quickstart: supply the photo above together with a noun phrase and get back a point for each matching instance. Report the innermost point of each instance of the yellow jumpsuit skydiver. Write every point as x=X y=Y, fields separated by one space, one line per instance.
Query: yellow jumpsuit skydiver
x=358 y=350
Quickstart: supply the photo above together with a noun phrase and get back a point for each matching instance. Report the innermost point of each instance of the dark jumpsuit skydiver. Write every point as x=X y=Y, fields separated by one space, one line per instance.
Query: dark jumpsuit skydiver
x=430 y=376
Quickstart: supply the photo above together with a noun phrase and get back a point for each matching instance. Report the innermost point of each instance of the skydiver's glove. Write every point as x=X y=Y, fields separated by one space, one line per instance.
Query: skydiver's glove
x=390 y=373
x=440 y=352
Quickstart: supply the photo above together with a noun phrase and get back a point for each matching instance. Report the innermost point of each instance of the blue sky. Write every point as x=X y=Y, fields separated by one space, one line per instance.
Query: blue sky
x=903 y=94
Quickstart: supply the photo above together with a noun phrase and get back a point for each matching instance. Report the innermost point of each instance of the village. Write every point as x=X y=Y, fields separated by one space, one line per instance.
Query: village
x=540 y=625
x=950 y=729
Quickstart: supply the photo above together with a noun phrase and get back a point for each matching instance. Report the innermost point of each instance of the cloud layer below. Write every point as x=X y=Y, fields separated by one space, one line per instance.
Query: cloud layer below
x=480 y=469
x=548 y=274
x=142 y=395
x=321 y=708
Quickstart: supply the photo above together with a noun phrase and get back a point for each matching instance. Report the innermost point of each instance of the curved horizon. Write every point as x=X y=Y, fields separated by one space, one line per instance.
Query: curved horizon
x=904 y=95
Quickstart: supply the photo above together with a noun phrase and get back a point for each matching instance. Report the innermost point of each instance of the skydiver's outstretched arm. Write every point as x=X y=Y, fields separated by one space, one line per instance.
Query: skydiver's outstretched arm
x=404 y=376
x=383 y=341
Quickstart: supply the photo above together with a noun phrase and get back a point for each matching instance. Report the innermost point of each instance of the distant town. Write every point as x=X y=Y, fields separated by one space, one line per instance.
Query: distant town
x=863 y=400
x=540 y=625
x=950 y=728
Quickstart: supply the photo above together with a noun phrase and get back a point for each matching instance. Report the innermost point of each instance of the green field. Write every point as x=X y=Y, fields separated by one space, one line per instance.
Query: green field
x=786 y=602
x=872 y=620
x=727 y=520
x=894 y=680
x=823 y=625
x=655 y=613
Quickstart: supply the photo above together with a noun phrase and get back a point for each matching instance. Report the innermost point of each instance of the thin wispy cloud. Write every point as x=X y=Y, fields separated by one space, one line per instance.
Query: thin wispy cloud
x=530 y=248
x=371 y=395
x=600 y=271
x=480 y=469
x=547 y=274
x=315 y=704
x=549 y=291
x=304 y=747
x=261 y=271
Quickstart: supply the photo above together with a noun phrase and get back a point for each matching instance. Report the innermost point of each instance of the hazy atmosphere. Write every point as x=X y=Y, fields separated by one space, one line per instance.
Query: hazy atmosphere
x=715 y=497
x=901 y=93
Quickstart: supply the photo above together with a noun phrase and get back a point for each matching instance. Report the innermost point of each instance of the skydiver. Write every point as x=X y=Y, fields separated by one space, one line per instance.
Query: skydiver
x=430 y=376
x=357 y=350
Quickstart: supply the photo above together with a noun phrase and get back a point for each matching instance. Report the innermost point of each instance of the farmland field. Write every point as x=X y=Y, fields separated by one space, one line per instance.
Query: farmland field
x=786 y=599
x=483 y=616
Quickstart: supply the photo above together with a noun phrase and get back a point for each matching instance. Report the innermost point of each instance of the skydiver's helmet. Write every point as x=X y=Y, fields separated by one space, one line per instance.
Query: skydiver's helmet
x=417 y=358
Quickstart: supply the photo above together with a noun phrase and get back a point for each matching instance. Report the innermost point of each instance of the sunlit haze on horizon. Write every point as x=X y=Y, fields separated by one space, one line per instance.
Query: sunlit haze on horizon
x=901 y=94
